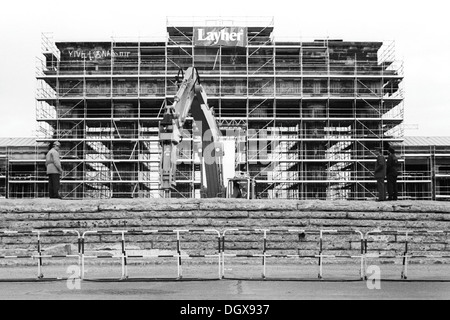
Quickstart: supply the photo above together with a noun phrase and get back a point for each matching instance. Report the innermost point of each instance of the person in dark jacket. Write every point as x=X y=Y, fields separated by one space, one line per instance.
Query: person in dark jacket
x=380 y=174
x=54 y=170
x=392 y=171
x=236 y=192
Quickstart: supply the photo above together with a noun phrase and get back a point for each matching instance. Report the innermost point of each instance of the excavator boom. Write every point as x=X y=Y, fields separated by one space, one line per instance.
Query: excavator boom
x=191 y=99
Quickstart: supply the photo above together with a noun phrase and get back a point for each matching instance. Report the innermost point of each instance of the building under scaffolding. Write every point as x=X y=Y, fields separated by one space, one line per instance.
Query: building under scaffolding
x=304 y=116
x=22 y=168
x=426 y=168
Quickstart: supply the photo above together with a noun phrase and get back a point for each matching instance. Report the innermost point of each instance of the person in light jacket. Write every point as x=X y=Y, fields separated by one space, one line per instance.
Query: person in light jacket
x=380 y=174
x=54 y=170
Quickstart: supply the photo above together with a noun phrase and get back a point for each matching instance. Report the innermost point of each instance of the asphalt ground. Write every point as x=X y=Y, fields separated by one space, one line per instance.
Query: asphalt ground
x=201 y=282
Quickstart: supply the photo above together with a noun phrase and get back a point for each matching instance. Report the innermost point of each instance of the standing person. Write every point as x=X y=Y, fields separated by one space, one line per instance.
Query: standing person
x=236 y=192
x=54 y=170
x=392 y=171
x=380 y=174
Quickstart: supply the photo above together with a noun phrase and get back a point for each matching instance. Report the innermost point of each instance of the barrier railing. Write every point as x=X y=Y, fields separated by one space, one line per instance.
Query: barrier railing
x=39 y=248
x=122 y=256
x=218 y=254
x=179 y=255
x=407 y=254
x=125 y=256
x=373 y=244
x=301 y=233
x=342 y=256
x=320 y=255
x=239 y=255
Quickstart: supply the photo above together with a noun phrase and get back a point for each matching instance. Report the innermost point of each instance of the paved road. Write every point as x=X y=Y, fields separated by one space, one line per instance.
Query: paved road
x=224 y=290
x=241 y=283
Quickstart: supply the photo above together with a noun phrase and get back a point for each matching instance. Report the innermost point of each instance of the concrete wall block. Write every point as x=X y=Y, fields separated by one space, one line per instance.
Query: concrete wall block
x=303 y=252
x=238 y=214
x=18 y=225
x=427 y=247
x=435 y=253
x=432 y=216
x=343 y=205
x=340 y=238
x=383 y=252
x=282 y=214
x=328 y=215
x=341 y=224
x=242 y=204
x=136 y=224
x=153 y=237
x=380 y=224
x=300 y=215
x=247 y=245
x=369 y=206
x=274 y=237
x=26 y=216
x=230 y=237
x=427 y=225
x=383 y=215
x=18 y=245
x=22 y=240
x=341 y=252
x=293 y=223
x=46 y=205
x=200 y=245
x=221 y=214
x=18 y=251
x=378 y=246
x=153 y=205
x=337 y=246
x=123 y=214
x=421 y=206
x=292 y=246
x=431 y=237
x=97 y=215
x=292 y=238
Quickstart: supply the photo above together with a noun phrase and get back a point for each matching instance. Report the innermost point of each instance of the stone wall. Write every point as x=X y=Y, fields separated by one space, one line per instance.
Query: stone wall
x=222 y=214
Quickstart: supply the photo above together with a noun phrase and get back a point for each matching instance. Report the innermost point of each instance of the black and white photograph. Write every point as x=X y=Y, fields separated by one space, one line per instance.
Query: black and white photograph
x=224 y=159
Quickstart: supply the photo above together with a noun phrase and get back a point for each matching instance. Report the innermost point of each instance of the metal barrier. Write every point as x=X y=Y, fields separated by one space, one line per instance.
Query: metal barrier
x=262 y=247
x=405 y=256
x=84 y=256
x=179 y=254
x=285 y=231
x=241 y=255
x=341 y=232
x=124 y=256
x=40 y=256
x=264 y=255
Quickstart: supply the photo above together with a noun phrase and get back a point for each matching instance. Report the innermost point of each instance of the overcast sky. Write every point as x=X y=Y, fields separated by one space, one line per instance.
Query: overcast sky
x=421 y=31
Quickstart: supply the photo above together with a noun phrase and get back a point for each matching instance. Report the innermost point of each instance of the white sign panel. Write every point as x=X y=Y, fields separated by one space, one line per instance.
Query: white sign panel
x=220 y=36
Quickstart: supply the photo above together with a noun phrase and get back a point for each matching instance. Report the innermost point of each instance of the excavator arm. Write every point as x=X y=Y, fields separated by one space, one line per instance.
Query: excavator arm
x=191 y=98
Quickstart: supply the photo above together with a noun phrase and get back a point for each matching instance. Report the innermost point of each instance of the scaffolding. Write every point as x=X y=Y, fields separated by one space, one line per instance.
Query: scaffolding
x=426 y=168
x=22 y=168
x=3 y=172
x=305 y=115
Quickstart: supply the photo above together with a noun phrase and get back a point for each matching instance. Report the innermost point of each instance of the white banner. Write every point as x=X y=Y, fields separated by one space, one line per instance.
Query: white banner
x=220 y=36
